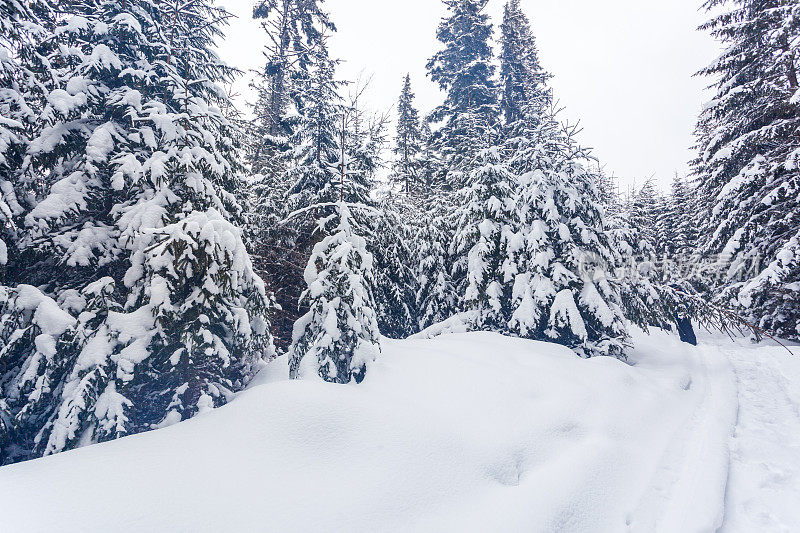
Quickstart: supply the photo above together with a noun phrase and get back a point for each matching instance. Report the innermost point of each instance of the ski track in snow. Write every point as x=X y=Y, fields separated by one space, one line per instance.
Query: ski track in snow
x=733 y=465
x=687 y=489
x=763 y=492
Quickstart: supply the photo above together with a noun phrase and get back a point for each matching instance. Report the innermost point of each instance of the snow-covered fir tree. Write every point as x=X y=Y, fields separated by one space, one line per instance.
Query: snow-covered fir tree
x=294 y=30
x=646 y=299
x=31 y=323
x=406 y=168
x=641 y=298
x=338 y=337
x=522 y=78
x=747 y=166
x=646 y=210
x=318 y=153
x=133 y=229
x=364 y=138
x=464 y=70
x=526 y=98
x=679 y=235
x=608 y=188
x=487 y=242
x=26 y=76
x=310 y=179
x=530 y=255
x=565 y=291
x=394 y=249
x=436 y=298
x=428 y=161
x=389 y=232
x=651 y=260
x=36 y=333
x=337 y=155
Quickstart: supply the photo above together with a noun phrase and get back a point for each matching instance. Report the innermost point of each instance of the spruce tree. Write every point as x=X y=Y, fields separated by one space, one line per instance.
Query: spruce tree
x=566 y=291
x=35 y=341
x=26 y=76
x=464 y=70
x=523 y=80
x=294 y=29
x=364 y=139
x=316 y=161
x=645 y=300
x=338 y=337
x=436 y=297
x=680 y=228
x=428 y=161
x=134 y=228
x=31 y=323
x=646 y=210
x=747 y=162
x=608 y=189
x=314 y=175
x=336 y=156
x=395 y=254
x=408 y=140
x=487 y=242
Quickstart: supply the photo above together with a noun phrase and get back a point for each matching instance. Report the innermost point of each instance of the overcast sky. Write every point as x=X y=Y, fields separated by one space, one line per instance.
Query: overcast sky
x=623 y=68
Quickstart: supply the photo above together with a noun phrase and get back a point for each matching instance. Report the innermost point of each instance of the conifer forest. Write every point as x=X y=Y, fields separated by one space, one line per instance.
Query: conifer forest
x=447 y=318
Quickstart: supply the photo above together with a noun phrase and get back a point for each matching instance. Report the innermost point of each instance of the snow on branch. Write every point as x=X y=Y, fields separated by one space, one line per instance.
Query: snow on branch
x=306 y=209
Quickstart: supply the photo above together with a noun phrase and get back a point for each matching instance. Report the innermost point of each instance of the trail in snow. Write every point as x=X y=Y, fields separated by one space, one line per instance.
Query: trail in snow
x=763 y=492
x=733 y=464
x=686 y=490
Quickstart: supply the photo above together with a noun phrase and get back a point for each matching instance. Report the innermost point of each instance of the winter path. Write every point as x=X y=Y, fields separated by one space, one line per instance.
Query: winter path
x=763 y=491
x=687 y=489
x=462 y=432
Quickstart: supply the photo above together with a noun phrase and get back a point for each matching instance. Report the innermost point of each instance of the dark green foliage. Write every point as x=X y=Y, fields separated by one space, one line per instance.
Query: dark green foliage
x=465 y=71
x=747 y=165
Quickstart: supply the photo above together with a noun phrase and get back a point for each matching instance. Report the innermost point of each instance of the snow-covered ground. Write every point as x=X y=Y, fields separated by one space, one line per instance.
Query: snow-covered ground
x=764 y=480
x=462 y=432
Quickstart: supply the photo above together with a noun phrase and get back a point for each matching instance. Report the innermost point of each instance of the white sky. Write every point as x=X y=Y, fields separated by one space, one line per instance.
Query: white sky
x=622 y=67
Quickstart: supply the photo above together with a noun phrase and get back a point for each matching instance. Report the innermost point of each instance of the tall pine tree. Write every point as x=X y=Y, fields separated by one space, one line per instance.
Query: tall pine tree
x=464 y=70
x=487 y=243
x=523 y=80
x=747 y=166
x=294 y=29
x=408 y=140
x=436 y=298
x=565 y=291
x=680 y=228
x=133 y=228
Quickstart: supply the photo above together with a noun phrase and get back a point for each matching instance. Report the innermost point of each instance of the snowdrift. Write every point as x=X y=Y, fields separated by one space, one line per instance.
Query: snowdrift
x=462 y=432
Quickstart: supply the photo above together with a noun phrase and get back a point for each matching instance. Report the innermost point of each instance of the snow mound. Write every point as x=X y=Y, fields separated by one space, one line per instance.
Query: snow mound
x=463 y=432
x=458 y=323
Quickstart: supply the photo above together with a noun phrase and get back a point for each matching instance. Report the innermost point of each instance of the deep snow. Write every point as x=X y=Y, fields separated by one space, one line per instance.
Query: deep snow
x=462 y=432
